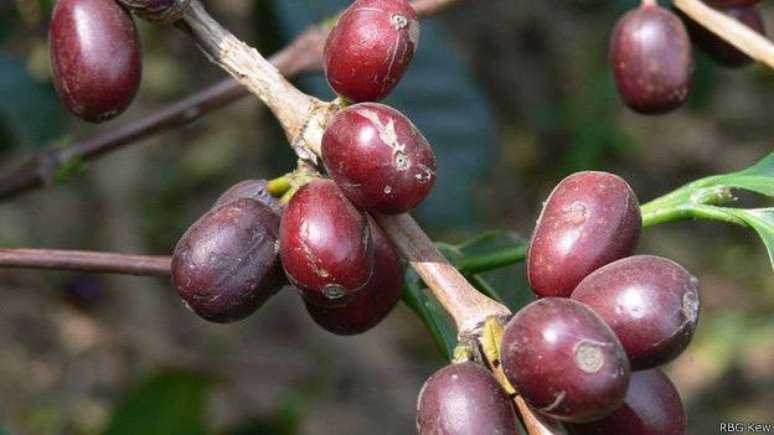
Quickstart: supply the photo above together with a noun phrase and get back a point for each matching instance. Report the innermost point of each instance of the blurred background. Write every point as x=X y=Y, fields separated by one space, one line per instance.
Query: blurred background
x=514 y=95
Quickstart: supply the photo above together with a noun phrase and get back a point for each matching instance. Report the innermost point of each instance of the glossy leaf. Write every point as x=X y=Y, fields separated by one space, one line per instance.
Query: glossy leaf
x=487 y=261
x=762 y=221
x=758 y=178
x=702 y=198
x=490 y=260
x=418 y=298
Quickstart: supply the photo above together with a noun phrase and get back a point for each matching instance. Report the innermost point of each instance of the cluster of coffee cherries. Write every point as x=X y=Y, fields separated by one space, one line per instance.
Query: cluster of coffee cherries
x=322 y=240
x=651 y=58
x=587 y=351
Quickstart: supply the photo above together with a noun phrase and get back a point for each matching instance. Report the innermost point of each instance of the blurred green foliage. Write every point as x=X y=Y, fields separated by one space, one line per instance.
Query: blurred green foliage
x=30 y=113
x=170 y=402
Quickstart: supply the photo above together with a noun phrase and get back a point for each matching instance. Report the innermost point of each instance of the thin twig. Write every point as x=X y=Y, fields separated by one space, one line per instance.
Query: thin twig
x=85 y=261
x=469 y=308
x=732 y=31
x=301 y=56
x=304 y=119
x=290 y=106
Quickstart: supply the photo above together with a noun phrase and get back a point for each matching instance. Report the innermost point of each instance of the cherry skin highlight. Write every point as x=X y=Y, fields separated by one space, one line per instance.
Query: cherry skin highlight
x=375 y=301
x=96 y=58
x=589 y=220
x=378 y=158
x=325 y=244
x=564 y=360
x=226 y=264
x=652 y=406
x=464 y=399
x=651 y=303
x=651 y=59
x=370 y=48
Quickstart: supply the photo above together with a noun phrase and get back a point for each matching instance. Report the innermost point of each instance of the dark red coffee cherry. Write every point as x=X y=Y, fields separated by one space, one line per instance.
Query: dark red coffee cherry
x=731 y=3
x=325 y=244
x=650 y=55
x=718 y=49
x=95 y=57
x=652 y=407
x=651 y=303
x=370 y=48
x=375 y=301
x=252 y=189
x=589 y=220
x=464 y=399
x=378 y=158
x=226 y=265
x=565 y=360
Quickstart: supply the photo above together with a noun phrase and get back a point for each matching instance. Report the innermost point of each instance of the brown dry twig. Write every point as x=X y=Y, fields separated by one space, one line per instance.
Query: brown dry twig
x=85 y=261
x=301 y=56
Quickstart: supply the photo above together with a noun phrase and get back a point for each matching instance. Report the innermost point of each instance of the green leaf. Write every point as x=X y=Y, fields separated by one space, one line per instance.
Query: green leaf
x=169 y=402
x=451 y=252
x=491 y=250
x=701 y=199
x=758 y=178
x=487 y=262
x=764 y=167
x=418 y=298
x=762 y=221
x=29 y=111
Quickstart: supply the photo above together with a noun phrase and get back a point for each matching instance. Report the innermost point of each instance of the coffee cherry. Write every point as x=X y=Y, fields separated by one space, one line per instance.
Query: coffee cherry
x=95 y=57
x=378 y=158
x=651 y=303
x=652 y=406
x=325 y=244
x=252 y=189
x=589 y=220
x=377 y=298
x=565 y=360
x=370 y=48
x=718 y=49
x=226 y=265
x=651 y=58
x=464 y=399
